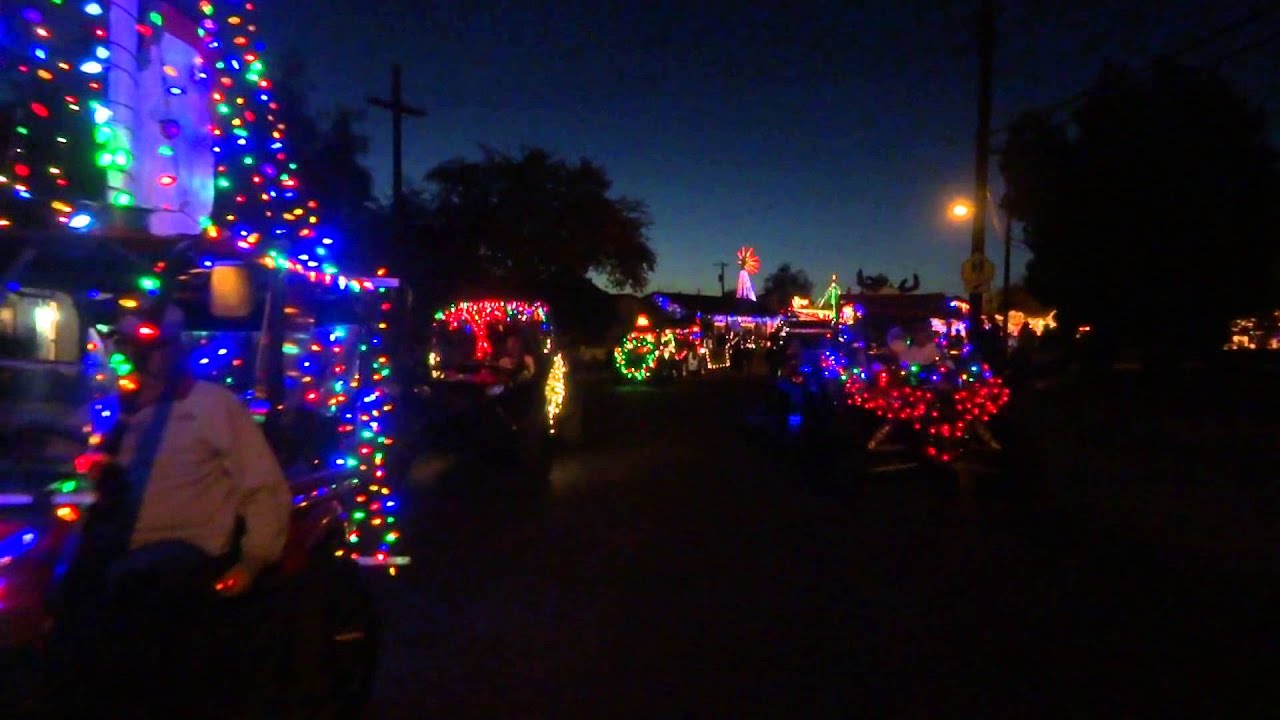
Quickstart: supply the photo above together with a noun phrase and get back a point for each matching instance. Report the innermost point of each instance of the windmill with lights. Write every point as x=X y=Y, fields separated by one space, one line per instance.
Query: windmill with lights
x=748 y=265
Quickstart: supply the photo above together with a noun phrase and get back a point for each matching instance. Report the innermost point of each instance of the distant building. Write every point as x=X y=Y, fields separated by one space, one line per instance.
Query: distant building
x=1256 y=333
x=725 y=314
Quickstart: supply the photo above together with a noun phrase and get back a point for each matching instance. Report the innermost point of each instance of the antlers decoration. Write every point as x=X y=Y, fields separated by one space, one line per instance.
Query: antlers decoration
x=880 y=282
x=873 y=284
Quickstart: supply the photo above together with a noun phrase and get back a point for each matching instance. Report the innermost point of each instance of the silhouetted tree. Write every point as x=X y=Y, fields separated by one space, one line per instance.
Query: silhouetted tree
x=783 y=284
x=1020 y=298
x=329 y=150
x=1150 y=213
x=528 y=221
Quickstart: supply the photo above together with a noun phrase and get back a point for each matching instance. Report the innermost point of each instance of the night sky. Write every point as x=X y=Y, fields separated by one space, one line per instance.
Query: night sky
x=828 y=134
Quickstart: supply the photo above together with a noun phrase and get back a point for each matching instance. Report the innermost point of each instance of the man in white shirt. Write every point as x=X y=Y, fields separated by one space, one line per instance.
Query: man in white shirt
x=212 y=466
x=138 y=618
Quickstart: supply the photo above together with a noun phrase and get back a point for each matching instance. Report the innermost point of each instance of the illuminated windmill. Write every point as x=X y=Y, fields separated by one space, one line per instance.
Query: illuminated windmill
x=748 y=265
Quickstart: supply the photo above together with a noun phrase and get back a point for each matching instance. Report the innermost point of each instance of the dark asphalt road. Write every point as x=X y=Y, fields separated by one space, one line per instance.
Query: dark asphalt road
x=692 y=564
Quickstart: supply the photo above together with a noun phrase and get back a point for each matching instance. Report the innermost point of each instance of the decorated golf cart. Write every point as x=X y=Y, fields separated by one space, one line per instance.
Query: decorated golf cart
x=142 y=159
x=920 y=385
x=496 y=393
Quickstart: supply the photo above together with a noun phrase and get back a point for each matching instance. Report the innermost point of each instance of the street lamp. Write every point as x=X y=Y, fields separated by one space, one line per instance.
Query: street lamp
x=962 y=209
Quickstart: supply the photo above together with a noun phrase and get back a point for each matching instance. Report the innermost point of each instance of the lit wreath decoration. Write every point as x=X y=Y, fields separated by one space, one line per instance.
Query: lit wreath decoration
x=636 y=356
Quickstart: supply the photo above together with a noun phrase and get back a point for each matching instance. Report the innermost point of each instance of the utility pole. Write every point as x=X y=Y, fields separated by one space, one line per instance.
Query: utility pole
x=982 y=146
x=1004 y=296
x=398 y=110
x=722 y=266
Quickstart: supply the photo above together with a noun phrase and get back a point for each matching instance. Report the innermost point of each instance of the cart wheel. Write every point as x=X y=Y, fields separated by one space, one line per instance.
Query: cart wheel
x=569 y=424
x=535 y=463
x=352 y=635
x=334 y=653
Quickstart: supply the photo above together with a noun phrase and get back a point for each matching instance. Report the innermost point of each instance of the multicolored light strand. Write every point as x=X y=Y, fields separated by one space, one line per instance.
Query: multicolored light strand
x=56 y=61
x=942 y=402
x=73 y=149
x=477 y=317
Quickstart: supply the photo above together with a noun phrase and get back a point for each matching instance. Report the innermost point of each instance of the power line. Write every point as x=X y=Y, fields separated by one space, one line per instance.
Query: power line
x=1254 y=16
x=1250 y=47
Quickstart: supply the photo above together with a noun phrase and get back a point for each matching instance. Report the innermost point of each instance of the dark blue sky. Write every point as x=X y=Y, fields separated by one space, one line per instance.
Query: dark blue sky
x=827 y=134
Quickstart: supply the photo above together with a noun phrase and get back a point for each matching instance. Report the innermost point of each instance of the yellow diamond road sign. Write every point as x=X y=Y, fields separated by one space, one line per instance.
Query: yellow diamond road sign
x=977 y=272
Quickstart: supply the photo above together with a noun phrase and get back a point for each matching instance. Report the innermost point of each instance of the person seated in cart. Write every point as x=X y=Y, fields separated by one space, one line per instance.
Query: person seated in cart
x=915 y=344
x=192 y=504
x=516 y=359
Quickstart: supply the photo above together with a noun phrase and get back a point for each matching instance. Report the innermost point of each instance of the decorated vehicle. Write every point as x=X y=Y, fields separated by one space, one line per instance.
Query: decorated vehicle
x=166 y=174
x=495 y=393
x=684 y=351
x=660 y=348
x=636 y=355
x=921 y=387
x=811 y=355
x=302 y=370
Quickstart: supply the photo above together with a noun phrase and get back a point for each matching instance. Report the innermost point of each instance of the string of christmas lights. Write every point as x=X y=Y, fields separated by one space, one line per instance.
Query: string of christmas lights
x=55 y=56
x=476 y=317
x=73 y=148
x=557 y=390
x=943 y=402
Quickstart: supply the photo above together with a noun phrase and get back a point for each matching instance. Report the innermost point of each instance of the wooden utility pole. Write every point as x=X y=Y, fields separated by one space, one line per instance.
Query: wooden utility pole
x=398 y=109
x=982 y=147
x=722 y=266
x=1004 y=295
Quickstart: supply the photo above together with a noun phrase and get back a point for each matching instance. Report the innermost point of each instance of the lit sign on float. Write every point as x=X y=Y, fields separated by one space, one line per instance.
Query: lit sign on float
x=160 y=105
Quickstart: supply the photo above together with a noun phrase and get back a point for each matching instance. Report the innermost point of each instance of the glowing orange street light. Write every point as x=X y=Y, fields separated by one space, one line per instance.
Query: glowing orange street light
x=960 y=210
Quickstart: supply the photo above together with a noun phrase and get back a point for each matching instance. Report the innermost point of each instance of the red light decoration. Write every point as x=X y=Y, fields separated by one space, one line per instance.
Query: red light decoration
x=748 y=260
x=943 y=403
x=478 y=316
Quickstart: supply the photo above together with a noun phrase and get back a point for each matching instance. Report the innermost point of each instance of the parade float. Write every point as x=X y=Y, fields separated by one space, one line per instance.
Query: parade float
x=150 y=134
x=496 y=391
x=660 y=348
x=917 y=376
x=144 y=158
x=636 y=355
